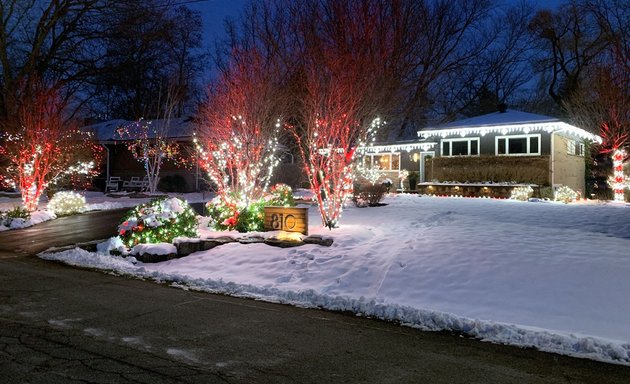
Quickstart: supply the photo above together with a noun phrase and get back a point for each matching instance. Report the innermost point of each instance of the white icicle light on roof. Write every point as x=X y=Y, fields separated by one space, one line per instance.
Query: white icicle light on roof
x=512 y=128
x=399 y=147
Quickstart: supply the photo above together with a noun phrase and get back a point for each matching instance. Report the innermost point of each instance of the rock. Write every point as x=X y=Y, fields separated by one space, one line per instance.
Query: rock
x=251 y=239
x=319 y=240
x=150 y=258
x=210 y=243
x=283 y=243
x=185 y=248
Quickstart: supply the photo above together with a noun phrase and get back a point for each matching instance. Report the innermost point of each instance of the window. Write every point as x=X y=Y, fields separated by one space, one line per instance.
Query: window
x=384 y=161
x=460 y=147
x=518 y=145
x=575 y=148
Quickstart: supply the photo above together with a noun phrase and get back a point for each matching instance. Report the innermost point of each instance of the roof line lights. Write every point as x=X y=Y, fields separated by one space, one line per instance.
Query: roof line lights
x=510 y=128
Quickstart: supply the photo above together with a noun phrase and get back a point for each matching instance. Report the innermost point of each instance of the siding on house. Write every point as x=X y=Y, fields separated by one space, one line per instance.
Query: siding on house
x=568 y=168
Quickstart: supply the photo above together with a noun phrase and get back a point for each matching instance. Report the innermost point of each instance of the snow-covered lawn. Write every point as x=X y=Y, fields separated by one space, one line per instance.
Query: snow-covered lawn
x=548 y=275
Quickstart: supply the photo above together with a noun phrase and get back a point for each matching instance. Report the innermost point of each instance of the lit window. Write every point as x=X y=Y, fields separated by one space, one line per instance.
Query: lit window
x=518 y=145
x=460 y=147
x=384 y=161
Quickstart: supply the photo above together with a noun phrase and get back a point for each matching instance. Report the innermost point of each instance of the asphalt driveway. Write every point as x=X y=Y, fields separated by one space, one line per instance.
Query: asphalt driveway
x=64 y=324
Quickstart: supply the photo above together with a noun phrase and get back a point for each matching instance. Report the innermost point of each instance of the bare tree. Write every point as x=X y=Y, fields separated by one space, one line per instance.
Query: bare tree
x=570 y=42
x=498 y=73
x=150 y=45
x=54 y=40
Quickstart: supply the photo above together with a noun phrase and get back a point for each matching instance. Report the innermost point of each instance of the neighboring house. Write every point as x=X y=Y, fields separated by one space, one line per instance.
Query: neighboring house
x=503 y=147
x=121 y=163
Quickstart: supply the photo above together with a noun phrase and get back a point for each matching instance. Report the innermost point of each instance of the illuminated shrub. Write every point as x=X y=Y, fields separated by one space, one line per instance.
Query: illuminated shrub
x=158 y=221
x=235 y=215
x=282 y=196
x=522 y=193
x=232 y=213
x=565 y=194
x=66 y=203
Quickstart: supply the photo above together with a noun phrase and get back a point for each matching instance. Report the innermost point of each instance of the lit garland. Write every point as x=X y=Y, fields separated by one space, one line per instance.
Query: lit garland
x=66 y=203
x=159 y=221
x=618 y=182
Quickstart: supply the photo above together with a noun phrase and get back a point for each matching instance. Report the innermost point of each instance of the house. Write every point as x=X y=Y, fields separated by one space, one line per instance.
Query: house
x=506 y=146
x=120 y=162
x=121 y=165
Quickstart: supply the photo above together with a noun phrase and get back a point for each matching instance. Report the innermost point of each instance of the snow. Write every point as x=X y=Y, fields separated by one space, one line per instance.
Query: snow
x=553 y=276
x=96 y=201
x=509 y=117
x=154 y=249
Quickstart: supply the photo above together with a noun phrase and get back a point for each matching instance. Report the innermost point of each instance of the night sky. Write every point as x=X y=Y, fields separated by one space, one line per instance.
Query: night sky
x=214 y=13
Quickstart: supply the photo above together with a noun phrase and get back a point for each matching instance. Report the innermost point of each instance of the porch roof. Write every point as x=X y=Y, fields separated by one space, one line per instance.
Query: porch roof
x=398 y=146
x=178 y=128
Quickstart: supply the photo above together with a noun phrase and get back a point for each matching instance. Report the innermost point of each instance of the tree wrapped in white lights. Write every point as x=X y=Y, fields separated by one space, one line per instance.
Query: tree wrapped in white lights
x=42 y=147
x=149 y=140
x=239 y=126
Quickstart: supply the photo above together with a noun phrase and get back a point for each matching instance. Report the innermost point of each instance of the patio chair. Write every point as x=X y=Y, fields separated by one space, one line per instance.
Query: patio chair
x=133 y=183
x=112 y=184
x=144 y=184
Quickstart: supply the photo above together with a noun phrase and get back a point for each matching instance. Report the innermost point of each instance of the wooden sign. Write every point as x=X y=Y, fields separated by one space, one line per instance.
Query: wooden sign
x=287 y=219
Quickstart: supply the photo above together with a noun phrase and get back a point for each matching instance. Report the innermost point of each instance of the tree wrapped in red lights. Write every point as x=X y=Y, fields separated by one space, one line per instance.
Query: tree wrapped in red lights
x=348 y=73
x=239 y=125
x=605 y=106
x=43 y=147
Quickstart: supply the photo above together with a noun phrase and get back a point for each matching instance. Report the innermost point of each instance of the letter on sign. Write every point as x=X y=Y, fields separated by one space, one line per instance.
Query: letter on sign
x=286 y=219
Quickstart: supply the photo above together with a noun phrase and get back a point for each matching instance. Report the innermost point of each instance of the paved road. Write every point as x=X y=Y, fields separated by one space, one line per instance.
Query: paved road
x=63 y=324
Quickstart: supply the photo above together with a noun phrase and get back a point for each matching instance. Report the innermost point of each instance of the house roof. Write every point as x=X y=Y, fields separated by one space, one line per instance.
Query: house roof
x=507 y=122
x=509 y=117
x=108 y=130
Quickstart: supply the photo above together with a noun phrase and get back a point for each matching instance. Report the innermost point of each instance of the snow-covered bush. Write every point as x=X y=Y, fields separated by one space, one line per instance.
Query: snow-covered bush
x=66 y=203
x=367 y=195
x=522 y=193
x=14 y=216
x=158 y=221
x=565 y=194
